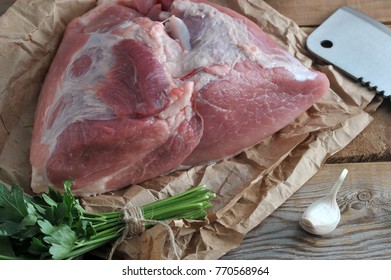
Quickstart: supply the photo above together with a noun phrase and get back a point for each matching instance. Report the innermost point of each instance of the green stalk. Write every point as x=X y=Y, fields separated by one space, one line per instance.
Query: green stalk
x=99 y=238
x=106 y=227
x=174 y=210
x=112 y=230
x=176 y=198
x=194 y=198
x=158 y=209
x=99 y=216
x=89 y=246
x=190 y=204
x=11 y=258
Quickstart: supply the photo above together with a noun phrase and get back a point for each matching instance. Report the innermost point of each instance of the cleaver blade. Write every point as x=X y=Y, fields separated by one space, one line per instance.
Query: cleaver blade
x=358 y=45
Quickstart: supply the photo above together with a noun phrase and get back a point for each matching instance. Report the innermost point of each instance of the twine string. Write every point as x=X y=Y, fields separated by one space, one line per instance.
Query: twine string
x=135 y=225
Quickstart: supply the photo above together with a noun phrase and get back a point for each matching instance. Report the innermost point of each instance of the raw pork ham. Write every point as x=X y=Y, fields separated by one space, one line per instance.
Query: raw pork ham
x=140 y=88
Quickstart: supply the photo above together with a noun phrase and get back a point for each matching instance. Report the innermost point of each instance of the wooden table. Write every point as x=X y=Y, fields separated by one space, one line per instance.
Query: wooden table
x=365 y=198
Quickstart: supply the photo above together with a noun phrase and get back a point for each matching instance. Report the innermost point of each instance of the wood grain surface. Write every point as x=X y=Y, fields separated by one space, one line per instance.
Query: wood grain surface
x=374 y=143
x=314 y=12
x=364 y=231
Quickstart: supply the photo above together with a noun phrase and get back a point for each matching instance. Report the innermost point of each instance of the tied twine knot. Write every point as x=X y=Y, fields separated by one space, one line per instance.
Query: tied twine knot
x=135 y=225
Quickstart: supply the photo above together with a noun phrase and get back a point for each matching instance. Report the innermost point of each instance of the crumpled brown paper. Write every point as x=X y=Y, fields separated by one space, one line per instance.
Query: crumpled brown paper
x=249 y=187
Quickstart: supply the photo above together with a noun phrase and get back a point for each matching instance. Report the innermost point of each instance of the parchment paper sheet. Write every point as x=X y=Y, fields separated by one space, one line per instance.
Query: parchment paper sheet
x=249 y=187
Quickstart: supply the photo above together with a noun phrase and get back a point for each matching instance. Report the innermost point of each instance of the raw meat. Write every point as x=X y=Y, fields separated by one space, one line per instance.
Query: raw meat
x=140 y=88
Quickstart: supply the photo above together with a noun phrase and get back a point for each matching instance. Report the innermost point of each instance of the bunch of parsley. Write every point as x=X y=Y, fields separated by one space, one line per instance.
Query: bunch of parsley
x=56 y=226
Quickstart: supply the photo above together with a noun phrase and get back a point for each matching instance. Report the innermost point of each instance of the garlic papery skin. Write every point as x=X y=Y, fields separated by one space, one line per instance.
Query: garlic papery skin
x=323 y=216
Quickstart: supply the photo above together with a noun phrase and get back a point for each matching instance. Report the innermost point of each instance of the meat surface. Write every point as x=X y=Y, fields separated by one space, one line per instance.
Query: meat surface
x=140 y=88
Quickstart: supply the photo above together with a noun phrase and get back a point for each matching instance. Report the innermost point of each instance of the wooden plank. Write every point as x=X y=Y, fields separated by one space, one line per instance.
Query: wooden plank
x=373 y=144
x=312 y=13
x=363 y=233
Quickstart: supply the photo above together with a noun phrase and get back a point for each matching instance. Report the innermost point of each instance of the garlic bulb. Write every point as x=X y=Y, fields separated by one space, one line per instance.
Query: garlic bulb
x=323 y=216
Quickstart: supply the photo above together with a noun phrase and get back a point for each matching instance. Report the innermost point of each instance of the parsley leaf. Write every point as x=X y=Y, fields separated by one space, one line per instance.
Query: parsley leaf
x=56 y=226
x=6 y=251
x=61 y=238
x=39 y=248
x=9 y=228
x=12 y=204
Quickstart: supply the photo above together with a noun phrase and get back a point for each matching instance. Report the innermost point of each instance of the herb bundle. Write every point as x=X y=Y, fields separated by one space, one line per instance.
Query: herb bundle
x=56 y=226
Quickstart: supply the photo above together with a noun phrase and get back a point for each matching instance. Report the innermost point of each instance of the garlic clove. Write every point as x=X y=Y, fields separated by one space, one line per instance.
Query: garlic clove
x=323 y=216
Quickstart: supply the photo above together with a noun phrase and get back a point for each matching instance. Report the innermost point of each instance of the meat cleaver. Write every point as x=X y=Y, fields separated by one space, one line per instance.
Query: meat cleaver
x=358 y=45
